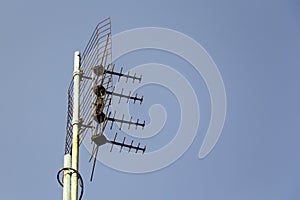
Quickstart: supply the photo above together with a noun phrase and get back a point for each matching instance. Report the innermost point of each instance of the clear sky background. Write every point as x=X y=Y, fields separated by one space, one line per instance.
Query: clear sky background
x=255 y=45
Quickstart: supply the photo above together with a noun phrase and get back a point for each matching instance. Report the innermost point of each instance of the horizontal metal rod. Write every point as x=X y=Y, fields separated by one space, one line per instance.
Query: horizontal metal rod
x=125 y=121
x=135 y=98
x=137 y=148
x=124 y=75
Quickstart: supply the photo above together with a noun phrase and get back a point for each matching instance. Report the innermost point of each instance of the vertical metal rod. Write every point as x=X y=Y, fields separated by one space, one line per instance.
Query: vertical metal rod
x=67 y=178
x=93 y=85
x=76 y=125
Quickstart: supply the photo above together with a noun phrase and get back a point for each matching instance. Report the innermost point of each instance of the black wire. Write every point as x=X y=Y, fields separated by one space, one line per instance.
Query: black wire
x=78 y=176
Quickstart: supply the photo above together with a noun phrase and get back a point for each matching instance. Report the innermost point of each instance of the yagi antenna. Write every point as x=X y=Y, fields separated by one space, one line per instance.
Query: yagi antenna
x=99 y=70
x=100 y=91
x=89 y=107
x=122 y=144
x=100 y=139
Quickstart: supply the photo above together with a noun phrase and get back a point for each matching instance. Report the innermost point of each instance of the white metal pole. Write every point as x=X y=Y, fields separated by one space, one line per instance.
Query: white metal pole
x=67 y=178
x=75 y=124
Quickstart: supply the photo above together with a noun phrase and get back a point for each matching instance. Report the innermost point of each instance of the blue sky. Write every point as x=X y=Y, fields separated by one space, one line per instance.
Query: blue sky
x=255 y=45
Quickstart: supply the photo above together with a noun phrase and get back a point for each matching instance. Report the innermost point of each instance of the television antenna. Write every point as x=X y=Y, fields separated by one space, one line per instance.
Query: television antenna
x=89 y=107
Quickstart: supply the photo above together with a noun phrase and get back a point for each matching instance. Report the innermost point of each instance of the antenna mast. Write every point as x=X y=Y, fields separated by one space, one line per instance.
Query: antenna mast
x=75 y=124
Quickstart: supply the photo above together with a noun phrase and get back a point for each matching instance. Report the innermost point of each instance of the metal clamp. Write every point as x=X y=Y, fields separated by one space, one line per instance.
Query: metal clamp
x=61 y=182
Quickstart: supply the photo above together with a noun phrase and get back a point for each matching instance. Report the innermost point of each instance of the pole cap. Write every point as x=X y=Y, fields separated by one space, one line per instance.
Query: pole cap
x=77 y=53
